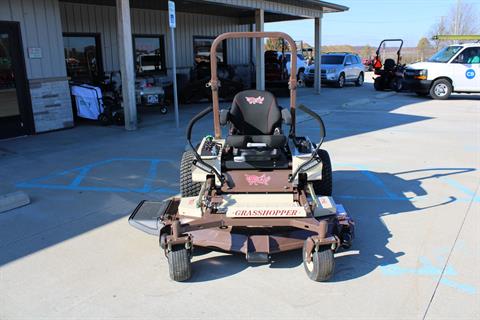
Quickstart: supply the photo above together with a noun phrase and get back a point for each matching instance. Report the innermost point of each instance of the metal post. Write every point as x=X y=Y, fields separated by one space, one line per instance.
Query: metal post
x=174 y=75
x=260 y=50
x=126 y=64
x=318 y=54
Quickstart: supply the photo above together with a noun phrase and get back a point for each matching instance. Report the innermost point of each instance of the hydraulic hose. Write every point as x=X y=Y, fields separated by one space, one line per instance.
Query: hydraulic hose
x=198 y=158
x=323 y=133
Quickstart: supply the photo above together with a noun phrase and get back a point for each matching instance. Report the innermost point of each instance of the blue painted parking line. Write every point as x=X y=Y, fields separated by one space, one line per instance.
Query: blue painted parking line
x=428 y=269
x=82 y=172
x=76 y=184
x=460 y=187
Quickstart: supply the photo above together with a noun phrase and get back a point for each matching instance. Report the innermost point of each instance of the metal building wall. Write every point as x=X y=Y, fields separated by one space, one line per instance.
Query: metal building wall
x=41 y=28
x=102 y=19
x=49 y=92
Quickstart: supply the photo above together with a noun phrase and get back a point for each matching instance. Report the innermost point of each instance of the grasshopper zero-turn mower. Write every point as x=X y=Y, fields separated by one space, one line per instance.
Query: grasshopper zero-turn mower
x=259 y=191
x=389 y=76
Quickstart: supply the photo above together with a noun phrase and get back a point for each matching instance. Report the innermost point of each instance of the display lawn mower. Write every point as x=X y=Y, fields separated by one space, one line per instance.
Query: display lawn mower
x=257 y=191
x=390 y=74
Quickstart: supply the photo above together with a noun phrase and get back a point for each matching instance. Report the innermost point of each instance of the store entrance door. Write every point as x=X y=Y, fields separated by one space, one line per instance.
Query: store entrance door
x=15 y=107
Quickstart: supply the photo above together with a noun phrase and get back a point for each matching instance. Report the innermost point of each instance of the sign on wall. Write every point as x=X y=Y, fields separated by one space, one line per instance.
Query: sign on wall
x=35 y=53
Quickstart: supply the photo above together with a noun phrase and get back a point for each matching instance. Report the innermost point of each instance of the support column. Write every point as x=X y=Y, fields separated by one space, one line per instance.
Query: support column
x=260 y=50
x=318 y=54
x=124 y=28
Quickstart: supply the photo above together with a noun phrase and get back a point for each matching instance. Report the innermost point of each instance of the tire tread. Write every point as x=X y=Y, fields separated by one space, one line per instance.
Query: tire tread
x=188 y=188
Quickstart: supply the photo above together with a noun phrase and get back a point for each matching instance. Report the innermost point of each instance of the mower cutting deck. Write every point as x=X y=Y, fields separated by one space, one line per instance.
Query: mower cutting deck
x=258 y=191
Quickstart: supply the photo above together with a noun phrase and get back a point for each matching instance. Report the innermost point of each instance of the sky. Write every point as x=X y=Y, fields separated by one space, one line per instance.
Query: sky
x=370 y=21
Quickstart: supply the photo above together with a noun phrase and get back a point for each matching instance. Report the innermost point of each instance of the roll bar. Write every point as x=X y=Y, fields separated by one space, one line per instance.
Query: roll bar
x=391 y=40
x=215 y=84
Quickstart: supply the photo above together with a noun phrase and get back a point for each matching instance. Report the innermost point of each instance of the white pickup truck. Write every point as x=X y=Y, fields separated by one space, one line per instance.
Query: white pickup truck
x=455 y=68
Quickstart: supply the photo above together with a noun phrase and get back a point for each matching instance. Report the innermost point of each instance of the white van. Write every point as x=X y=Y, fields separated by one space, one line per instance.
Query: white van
x=455 y=68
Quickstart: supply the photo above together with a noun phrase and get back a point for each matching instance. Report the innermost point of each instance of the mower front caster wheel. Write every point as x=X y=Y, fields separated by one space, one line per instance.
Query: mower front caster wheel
x=322 y=263
x=179 y=263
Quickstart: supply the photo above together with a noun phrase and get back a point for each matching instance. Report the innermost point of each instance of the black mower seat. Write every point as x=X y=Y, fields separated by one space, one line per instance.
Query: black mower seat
x=255 y=118
x=389 y=64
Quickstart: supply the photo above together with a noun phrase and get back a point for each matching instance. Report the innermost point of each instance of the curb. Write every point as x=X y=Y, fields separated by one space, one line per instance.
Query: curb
x=13 y=200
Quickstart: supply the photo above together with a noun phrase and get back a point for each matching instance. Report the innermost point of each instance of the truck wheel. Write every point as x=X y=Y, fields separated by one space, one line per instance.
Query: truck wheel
x=179 y=263
x=188 y=188
x=341 y=81
x=441 y=89
x=378 y=84
x=324 y=187
x=322 y=265
x=360 y=80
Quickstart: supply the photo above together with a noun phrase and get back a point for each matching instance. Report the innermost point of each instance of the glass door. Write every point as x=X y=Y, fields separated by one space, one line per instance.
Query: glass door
x=13 y=93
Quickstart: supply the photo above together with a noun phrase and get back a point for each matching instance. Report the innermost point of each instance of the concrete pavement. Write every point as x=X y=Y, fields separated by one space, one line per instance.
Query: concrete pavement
x=405 y=167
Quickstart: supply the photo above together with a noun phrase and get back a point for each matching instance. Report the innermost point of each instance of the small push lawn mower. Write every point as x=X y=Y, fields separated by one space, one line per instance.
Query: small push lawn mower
x=257 y=192
x=390 y=74
x=91 y=104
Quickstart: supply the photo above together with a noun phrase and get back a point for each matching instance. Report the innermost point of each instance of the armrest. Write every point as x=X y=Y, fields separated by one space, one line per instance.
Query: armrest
x=286 y=116
x=224 y=116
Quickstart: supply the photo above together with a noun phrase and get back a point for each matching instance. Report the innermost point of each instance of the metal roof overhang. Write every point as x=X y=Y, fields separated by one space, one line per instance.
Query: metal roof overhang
x=243 y=12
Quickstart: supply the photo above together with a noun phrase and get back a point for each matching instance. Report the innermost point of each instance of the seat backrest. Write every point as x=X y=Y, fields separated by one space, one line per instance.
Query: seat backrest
x=389 y=64
x=255 y=112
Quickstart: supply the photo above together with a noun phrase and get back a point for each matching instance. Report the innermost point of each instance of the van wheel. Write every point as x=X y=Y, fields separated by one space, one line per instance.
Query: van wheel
x=441 y=89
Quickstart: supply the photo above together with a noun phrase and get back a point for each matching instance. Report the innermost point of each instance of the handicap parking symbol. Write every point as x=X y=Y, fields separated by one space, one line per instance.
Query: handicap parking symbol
x=470 y=74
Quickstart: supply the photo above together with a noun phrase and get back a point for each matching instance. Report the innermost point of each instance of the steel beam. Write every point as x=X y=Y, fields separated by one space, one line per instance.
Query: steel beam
x=318 y=55
x=126 y=63
x=260 y=50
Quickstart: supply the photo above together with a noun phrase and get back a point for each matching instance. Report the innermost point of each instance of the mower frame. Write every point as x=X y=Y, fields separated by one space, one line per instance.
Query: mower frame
x=214 y=218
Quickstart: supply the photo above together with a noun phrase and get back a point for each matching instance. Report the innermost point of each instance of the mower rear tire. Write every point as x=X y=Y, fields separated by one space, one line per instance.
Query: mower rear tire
x=179 y=263
x=324 y=187
x=397 y=85
x=188 y=188
x=378 y=84
x=322 y=263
